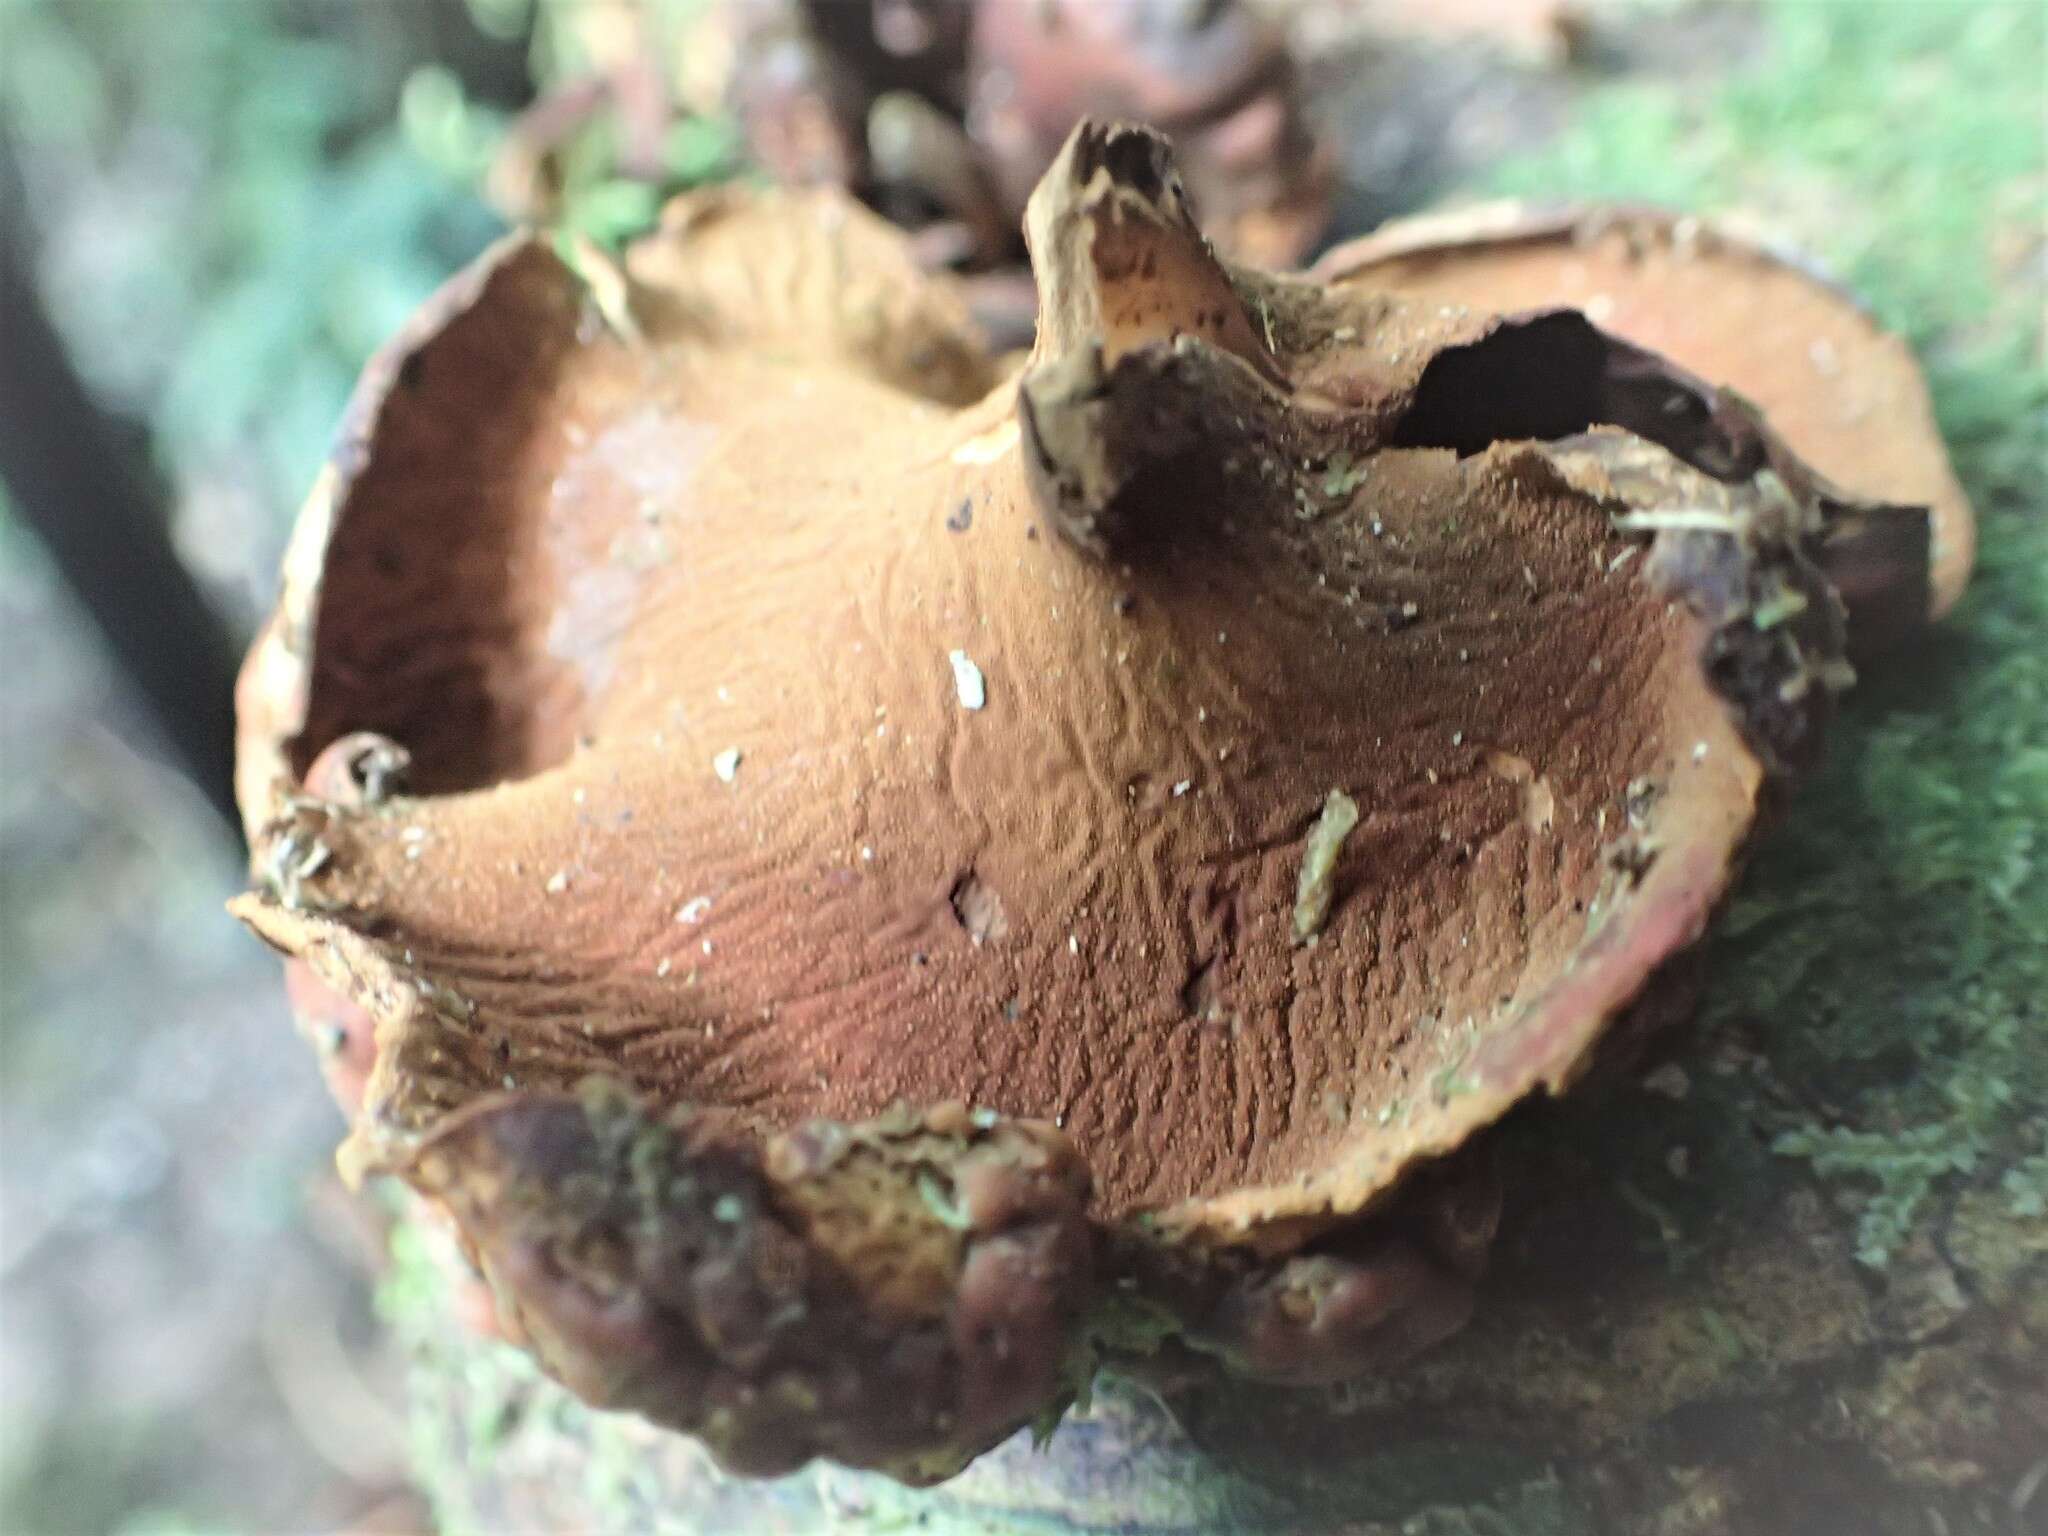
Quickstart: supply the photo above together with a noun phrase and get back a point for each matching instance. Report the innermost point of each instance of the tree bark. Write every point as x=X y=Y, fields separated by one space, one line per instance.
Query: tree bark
x=1653 y=1355
x=80 y=479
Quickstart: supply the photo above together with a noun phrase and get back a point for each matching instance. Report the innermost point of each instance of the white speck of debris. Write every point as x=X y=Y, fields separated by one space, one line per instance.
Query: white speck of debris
x=1183 y=787
x=579 y=796
x=1202 y=714
x=665 y=967
x=1073 y=944
x=1699 y=751
x=558 y=882
x=1222 y=637
x=1457 y=738
x=867 y=852
x=990 y=445
x=707 y=946
x=693 y=910
x=967 y=681
x=727 y=764
x=509 y=1082
x=724 y=694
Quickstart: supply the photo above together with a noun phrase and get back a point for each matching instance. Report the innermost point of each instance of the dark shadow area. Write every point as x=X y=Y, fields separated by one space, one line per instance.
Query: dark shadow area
x=81 y=480
x=1555 y=375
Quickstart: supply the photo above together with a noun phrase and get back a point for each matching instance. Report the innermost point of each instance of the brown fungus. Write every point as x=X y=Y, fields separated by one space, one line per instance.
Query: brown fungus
x=1743 y=311
x=1549 y=611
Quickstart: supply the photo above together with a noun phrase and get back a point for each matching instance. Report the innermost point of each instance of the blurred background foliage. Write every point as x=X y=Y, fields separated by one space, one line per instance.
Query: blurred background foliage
x=227 y=204
x=237 y=200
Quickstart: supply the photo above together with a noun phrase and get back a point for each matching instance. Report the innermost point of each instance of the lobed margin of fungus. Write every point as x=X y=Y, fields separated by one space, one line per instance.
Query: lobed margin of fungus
x=1555 y=613
x=1737 y=306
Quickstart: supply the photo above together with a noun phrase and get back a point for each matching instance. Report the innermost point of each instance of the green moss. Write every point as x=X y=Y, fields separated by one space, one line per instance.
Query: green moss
x=1889 y=952
x=1128 y=1324
x=1341 y=477
x=2026 y=1183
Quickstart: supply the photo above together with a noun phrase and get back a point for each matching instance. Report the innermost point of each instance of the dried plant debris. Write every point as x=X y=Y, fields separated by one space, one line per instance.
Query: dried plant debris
x=1562 y=626
x=1315 y=889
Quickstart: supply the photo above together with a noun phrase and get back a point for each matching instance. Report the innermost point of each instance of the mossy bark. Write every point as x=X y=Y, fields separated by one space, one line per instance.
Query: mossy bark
x=1677 y=1336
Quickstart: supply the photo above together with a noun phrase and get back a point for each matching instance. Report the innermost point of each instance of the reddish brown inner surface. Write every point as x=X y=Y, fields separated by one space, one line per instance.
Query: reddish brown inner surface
x=440 y=620
x=1075 y=902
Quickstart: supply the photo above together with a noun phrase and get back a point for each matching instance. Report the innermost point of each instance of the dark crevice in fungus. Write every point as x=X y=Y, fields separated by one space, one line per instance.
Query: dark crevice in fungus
x=1556 y=375
x=978 y=909
x=360 y=769
x=1881 y=560
x=1201 y=996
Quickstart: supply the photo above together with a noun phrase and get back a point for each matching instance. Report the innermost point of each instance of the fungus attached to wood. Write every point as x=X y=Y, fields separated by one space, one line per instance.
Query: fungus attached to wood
x=840 y=1101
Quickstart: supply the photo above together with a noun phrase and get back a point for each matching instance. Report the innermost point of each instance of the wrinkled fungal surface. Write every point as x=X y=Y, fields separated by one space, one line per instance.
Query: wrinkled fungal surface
x=820 y=832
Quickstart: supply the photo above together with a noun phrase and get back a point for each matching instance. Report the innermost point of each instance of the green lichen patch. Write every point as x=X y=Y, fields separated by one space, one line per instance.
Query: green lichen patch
x=1341 y=476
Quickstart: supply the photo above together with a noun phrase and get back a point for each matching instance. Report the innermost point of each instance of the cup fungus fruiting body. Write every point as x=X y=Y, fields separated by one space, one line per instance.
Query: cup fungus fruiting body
x=868 y=873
